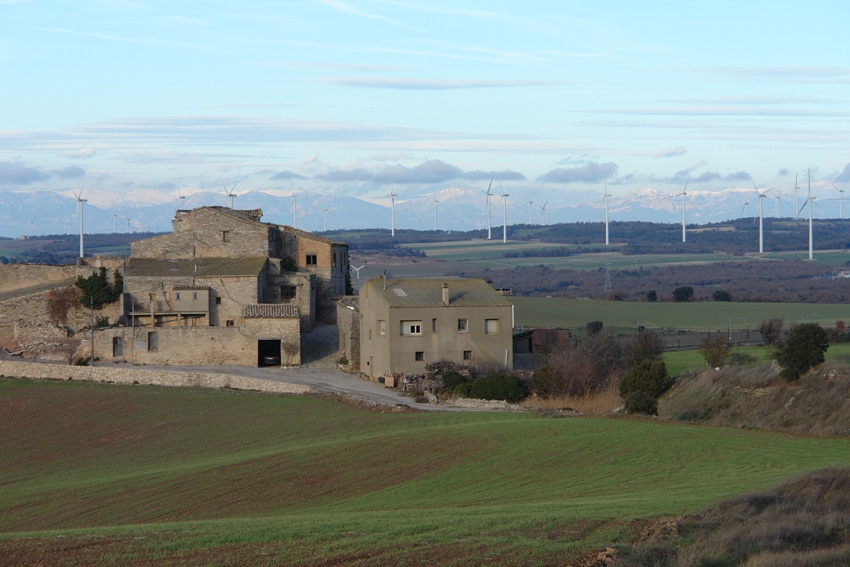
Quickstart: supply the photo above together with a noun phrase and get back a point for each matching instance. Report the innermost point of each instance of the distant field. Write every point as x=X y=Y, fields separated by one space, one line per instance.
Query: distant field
x=146 y=475
x=683 y=360
x=560 y=312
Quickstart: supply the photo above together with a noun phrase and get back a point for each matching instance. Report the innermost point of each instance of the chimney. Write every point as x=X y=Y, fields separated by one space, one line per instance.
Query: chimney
x=445 y=294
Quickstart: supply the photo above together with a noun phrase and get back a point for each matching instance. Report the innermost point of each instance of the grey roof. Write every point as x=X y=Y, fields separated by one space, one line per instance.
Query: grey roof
x=270 y=311
x=463 y=292
x=198 y=267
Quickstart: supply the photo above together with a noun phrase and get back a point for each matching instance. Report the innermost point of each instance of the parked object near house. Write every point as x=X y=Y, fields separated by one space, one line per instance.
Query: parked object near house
x=406 y=324
x=224 y=288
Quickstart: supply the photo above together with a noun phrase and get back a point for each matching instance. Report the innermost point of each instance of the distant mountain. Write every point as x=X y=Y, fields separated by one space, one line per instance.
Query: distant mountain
x=457 y=209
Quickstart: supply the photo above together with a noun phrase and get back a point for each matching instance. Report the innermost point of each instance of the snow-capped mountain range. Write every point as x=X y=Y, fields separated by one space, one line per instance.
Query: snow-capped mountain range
x=47 y=212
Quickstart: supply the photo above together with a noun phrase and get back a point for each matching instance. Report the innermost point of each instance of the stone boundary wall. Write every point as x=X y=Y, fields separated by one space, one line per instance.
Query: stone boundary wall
x=471 y=403
x=15 y=277
x=34 y=307
x=130 y=375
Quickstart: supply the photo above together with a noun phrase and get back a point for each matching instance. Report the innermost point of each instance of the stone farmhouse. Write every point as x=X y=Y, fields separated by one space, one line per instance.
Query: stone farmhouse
x=406 y=324
x=224 y=288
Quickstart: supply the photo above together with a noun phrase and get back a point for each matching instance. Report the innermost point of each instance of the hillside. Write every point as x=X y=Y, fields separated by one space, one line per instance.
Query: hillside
x=102 y=475
x=756 y=397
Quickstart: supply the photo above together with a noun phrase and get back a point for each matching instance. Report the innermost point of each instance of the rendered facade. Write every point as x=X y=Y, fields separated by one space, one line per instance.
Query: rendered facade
x=406 y=324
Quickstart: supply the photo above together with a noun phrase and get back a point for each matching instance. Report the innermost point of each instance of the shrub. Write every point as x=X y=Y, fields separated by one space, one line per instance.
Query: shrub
x=741 y=359
x=60 y=301
x=651 y=295
x=804 y=347
x=498 y=387
x=649 y=376
x=642 y=402
x=97 y=291
x=452 y=381
x=683 y=293
x=721 y=295
x=771 y=330
x=593 y=327
x=715 y=350
x=645 y=345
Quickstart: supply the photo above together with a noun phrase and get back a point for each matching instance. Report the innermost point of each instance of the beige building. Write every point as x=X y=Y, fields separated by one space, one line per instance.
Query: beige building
x=405 y=324
x=225 y=288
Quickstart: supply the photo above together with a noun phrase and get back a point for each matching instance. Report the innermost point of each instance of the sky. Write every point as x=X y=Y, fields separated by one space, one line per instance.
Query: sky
x=551 y=99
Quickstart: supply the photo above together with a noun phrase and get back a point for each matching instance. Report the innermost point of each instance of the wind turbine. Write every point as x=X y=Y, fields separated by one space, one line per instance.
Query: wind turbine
x=777 y=205
x=127 y=219
x=31 y=228
x=529 y=212
x=294 y=209
x=182 y=199
x=392 y=196
x=840 y=200
x=761 y=195
x=114 y=222
x=797 y=197
x=230 y=194
x=358 y=269
x=744 y=208
x=810 y=202
x=324 y=220
x=435 y=210
x=80 y=203
x=684 y=195
x=505 y=219
x=606 y=198
x=489 y=215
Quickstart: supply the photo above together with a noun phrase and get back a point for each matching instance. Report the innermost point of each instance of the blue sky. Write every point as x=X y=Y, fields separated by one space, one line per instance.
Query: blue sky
x=353 y=97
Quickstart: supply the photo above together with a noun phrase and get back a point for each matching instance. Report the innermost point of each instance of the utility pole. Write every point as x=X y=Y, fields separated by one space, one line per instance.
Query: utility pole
x=92 y=331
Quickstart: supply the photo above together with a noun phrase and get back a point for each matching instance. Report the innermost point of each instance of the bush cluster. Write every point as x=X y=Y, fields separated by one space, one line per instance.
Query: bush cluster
x=97 y=291
x=493 y=386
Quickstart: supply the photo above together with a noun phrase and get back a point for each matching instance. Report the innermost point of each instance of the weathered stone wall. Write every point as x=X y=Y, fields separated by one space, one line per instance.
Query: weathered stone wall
x=196 y=345
x=118 y=374
x=87 y=267
x=19 y=277
x=35 y=307
x=348 y=325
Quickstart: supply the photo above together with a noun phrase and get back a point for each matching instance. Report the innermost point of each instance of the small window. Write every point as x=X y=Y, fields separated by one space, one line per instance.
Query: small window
x=370 y=334
x=287 y=293
x=491 y=326
x=420 y=355
x=463 y=325
x=467 y=355
x=382 y=327
x=218 y=300
x=195 y=296
x=311 y=260
x=228 y=323
x=177 y=296
x=334 y=259
x=411 y=328
x=153 y=341
x=225 y=236
x=433 y=325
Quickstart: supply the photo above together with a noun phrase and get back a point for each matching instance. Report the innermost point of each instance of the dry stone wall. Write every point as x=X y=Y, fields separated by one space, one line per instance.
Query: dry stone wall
x=18 y=277
x=34 y=307
x=131 y=375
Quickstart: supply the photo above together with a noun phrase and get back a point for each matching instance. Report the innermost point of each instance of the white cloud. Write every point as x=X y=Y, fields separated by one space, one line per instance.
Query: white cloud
x=83 y=153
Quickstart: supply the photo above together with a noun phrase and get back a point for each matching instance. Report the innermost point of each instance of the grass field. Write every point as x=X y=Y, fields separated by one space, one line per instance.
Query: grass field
x=683 y=360
x=141 y=475
x=560 y=312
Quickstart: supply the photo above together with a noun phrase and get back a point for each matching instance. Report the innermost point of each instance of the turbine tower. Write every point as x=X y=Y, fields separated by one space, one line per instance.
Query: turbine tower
x=761 y=195
x=80 y=202
x=114 y=222
x=294 y=209
x=128 y=223
x=810 y=202
x=529 y=212
x=324 y=220
x=505 y=218
x=606 y=198
x=777 y=204
x=435 y=210
x=684 y=195
x=840 y=200
x=182 y=198
x=543 y=213
x=488 y=207
x=229 y=193
x=392 y=196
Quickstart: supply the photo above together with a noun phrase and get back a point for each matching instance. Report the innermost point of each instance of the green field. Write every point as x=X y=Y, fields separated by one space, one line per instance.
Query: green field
x=143 y=475
x=561 y=312
x=683 y=360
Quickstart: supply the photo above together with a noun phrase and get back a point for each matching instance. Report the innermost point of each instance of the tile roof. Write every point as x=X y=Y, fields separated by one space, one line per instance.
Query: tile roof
x=463 y=292
x=270 y=311
x=198 y=267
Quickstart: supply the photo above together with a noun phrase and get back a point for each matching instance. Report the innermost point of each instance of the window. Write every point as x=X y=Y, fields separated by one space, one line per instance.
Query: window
x=491 y=326
x=370 y=334
x=311 y=260
x=411 y=328
x=117 y=346
x=177 y=296
x=218 y=300
x=153 y=341
x=433 y=325
x=419 y=355
x=228 y=323
x=287 y=293
x=463 y=325
x=467 y=355
x=334 y=259
x=382 y=327
x=195 y=296
x=225 y=236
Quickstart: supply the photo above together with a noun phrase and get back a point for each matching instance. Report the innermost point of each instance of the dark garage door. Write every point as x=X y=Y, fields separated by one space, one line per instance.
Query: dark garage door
x=268 y=352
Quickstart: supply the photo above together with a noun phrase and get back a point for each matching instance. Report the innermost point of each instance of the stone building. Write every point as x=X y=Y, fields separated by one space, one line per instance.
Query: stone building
x=405 y=324
x=224 y=288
